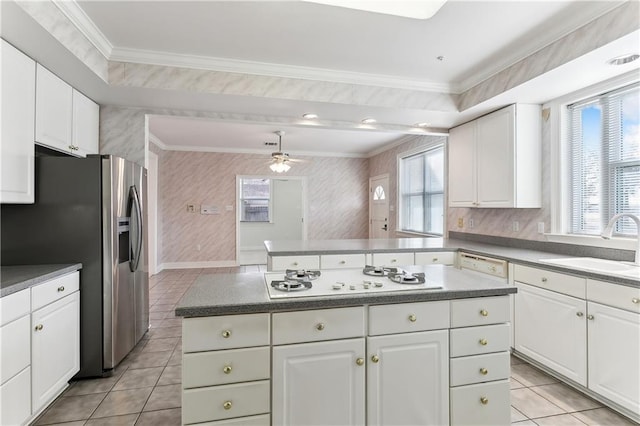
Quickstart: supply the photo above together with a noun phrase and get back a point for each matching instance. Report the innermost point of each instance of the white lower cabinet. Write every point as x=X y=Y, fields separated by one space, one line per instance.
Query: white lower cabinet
x=407 y=379
x=15 y=399
x=320 y=383
x=481 y=404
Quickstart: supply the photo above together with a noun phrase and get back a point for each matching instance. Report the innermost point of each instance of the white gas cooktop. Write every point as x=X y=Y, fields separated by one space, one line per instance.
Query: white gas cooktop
x=335 y=282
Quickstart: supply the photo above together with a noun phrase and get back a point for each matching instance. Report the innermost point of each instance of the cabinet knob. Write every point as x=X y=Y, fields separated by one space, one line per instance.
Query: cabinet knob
x=484 y=400
x=590 y=317
x=360 y=361
x=226 y=369
x=580 y=314
x=544 y=279
x=412 y=318
x=484 y=313
x=227 y=405
x=61 y=288
x=71 y=147
x=295 y=263
x=435 y=259
x=320 y=326
x=39 y=327
x=226 y=334
x=342 y=262
x=394 y=260
x=635 y=300
x=484 y=371
x=483 y=342
x=375 y=359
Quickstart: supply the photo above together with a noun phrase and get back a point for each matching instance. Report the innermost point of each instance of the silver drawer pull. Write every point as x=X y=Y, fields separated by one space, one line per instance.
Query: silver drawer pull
x=61 y=288
x=226 y=334
x=39 y=327
x=320 y=326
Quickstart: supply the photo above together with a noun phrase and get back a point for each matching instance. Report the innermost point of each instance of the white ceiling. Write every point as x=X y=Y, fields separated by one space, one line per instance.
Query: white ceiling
x=306 y=40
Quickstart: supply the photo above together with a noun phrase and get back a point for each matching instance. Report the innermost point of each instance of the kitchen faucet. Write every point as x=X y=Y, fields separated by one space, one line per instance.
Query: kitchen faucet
x=608 y=231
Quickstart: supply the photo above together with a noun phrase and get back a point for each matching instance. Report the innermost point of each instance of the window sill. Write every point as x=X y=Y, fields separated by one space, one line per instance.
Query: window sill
x=418 y=234
x=588 y=240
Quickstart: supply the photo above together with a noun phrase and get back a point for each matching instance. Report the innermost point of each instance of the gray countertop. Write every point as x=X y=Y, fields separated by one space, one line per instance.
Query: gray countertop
x=222 y=294
x=16 y=278
x=511 y=254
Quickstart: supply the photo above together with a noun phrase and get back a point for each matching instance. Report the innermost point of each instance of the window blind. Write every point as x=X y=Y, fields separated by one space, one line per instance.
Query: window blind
x=604 y=134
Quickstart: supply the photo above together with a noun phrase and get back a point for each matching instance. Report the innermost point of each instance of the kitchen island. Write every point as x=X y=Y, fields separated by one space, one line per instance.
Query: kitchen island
x=437 y=356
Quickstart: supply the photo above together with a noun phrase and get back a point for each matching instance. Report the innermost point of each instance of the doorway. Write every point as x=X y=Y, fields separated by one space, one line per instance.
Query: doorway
x=379 y=206
x=268 y=209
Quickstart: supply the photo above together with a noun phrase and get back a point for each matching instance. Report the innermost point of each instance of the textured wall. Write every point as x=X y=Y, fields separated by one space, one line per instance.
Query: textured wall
x=337 y=201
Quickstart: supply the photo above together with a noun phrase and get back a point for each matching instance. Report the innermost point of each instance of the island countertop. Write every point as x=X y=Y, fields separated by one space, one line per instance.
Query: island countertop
x=242 y=293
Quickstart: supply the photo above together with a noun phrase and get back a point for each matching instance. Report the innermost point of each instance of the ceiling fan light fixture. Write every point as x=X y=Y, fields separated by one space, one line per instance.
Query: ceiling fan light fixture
x=368 y=120
x=309 y=116
x=280 y=167
x=422 y=125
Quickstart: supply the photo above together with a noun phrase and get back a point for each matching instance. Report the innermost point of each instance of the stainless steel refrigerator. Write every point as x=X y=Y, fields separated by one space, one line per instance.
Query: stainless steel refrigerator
x=90 y=210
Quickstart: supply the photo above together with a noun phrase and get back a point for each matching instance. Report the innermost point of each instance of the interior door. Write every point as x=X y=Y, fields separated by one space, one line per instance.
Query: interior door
x=379 y=207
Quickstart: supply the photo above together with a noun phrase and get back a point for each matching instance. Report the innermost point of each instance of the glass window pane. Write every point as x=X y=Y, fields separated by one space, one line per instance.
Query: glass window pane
x=435 y=214
x=413 y=175
x=255 y=188
x=413 y=213
x=435 y=171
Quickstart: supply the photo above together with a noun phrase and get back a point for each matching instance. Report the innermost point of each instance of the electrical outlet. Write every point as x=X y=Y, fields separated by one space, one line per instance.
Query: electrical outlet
x=470 y=223
x=190 y=208
x=516 y=226
x=541 y=227
x=460 y=222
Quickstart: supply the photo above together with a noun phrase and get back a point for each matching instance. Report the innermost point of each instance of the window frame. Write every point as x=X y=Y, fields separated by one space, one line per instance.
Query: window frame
x=559 y=191
x=241 y=200
x=430 y=146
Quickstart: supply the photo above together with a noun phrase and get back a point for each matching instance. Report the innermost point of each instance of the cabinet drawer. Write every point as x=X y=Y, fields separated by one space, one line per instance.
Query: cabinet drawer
x=225 y=402
x=481 y=404
x=479 y=368
x=618 y=296
x=223 y=367
x=408 y=317
x=479 y=311
x=561 y=283
x=15 y=399
x=479 y=340
x=392 y=259
x=435 y=257
x=15 y=347
x=321 y=324
x=280 y=263
x=224 y=332
x=263 y=420
x=339 y=261
x=14 y=306
x=53 y=290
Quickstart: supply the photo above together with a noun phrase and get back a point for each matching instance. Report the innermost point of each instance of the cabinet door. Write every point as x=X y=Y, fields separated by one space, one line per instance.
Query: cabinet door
x=17 y=126
x=408 y=379
x=495 y=158
x=614 y=351
x=462 y=165
x=319 y=383
x=55 y=346
x=86 y=117
x=551 y=328
x=53 y=111
x=15 y=399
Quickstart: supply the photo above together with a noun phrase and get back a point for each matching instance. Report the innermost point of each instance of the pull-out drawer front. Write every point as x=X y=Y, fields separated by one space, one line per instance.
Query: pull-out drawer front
x=262 y=420
x=340 y=261
x=393 y=259
x=479 y=311
x=15 y=347
x=53 y=290
x=561 y=283
x=479 y=340
x=14 y=306
x=316 y=325
x=435 y=258
x=479 y=368
x=616 y=295
x=408 y=317
x=481 y=404
x=281 y=263
x=225 y=332
x=223 y=367
x=225 y=402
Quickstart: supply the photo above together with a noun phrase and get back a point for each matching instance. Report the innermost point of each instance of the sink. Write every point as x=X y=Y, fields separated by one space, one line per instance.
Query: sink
x=597 y=265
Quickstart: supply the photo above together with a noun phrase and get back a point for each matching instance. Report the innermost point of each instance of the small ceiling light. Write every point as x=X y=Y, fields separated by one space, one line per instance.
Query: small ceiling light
x=422 y=125
x=368 y=120
x=309 y=116
x=625 y=59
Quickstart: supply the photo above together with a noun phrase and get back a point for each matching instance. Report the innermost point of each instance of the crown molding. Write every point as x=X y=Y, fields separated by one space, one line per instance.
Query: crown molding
x=293 y=154
x=85 y=25
x=150 y=57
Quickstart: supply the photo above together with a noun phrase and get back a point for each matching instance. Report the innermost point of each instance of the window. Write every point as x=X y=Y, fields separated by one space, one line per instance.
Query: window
x=255 y=200
x=604 y=148
x=422 y=192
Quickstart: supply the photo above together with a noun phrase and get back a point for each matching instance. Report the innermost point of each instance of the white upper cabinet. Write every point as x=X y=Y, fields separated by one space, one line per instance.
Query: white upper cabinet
x=494 y=161
x=17 y=126
x=66 y=120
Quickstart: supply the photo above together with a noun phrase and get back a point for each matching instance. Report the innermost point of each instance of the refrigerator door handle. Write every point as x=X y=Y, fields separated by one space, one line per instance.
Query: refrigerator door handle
x=135 y=260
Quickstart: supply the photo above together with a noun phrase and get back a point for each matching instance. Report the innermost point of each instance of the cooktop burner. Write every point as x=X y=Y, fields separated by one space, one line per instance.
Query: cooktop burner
x=301 y=274
x=291 y=285
x=378 y=271
x=404 y=277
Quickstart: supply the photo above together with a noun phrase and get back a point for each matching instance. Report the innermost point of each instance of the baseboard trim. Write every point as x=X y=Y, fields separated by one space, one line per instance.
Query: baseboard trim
x=191 y=265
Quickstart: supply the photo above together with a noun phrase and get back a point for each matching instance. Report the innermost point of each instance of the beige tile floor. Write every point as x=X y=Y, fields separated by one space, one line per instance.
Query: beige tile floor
x=145 y=388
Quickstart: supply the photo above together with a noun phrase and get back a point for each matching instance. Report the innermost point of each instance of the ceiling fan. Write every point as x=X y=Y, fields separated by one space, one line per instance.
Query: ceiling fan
x=280 y=159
